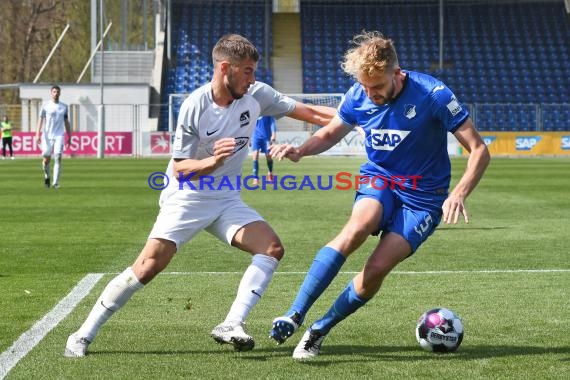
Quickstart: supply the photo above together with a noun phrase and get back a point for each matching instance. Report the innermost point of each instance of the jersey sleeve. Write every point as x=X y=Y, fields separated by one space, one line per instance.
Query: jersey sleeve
x=345 y=109
x=447 y=109
x=272 y=102
x=186 y=138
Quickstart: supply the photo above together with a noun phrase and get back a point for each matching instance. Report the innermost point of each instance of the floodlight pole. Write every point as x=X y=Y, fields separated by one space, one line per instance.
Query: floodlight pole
x=101 y=109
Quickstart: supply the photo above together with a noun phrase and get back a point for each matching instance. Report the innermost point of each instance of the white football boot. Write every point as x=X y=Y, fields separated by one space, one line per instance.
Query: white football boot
x=309 y=346
x=76 y=346
x=233 y=334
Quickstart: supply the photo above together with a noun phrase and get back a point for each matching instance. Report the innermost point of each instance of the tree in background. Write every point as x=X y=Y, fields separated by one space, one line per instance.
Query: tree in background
x=30 y=29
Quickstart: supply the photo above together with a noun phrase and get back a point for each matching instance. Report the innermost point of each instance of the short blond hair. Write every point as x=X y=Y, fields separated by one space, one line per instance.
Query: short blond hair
x=372 y=54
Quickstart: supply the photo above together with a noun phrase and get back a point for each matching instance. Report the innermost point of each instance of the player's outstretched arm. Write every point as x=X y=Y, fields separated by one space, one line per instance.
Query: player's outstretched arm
x=324 y=139
x=479 y=159
x=319 y=115
x=281 y=151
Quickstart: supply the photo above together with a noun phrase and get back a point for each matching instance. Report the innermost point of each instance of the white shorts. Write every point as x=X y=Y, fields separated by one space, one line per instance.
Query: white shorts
x=52 y=146
x=181 y=221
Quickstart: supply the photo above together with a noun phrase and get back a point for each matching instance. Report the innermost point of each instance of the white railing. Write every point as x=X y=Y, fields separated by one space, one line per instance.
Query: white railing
x=141 y=121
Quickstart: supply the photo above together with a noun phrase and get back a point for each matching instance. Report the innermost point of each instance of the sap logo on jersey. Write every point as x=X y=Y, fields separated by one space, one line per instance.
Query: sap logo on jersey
x=387 y=139
x=526 y=142
x=565 y=142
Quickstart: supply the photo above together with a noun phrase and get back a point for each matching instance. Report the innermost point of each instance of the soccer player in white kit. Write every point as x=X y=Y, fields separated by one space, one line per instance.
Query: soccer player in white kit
x=214 y=126
x=50 y=134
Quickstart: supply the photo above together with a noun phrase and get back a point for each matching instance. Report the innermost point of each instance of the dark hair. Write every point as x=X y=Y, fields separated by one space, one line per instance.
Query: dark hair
x=55 y=86
x=234 y=48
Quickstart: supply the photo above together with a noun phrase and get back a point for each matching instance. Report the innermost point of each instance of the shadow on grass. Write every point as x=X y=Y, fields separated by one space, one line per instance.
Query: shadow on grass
x=466 y=227
x=355 y=353
x=343 y=353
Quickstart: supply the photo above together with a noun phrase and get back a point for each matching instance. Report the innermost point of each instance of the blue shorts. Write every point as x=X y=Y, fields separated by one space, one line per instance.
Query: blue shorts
x=412 y=214
x=261 y=145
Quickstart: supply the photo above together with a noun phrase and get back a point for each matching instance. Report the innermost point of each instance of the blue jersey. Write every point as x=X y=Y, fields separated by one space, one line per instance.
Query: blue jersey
x=407 y=137
x=264 y=128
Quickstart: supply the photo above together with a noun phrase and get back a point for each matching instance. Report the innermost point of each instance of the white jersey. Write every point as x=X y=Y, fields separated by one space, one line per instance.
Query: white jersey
x=55 y=115
x=201 y=122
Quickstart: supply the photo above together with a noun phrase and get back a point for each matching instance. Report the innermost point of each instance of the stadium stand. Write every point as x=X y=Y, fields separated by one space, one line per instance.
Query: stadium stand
x=493 y=52
x=509 y=61
x=196 y=26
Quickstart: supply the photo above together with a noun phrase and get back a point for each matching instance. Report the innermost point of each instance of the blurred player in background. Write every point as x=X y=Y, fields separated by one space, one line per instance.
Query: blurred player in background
x=214 y=126
x=265 y=134
x=406 y=117
x=50 y=134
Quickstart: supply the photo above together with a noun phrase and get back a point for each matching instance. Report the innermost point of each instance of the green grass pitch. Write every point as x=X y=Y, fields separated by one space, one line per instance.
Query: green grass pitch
x=507 y=274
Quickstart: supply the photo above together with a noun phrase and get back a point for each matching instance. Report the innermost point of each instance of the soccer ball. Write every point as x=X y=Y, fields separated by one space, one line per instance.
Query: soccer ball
x=439 y=330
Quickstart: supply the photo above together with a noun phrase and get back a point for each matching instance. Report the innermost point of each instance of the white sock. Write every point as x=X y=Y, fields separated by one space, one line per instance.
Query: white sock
x=56 y=170
x=252 y=286
x=46 y=169
x=116 y=294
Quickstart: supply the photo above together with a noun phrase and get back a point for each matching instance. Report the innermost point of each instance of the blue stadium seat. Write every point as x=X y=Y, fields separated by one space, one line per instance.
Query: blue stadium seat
x=197 y=26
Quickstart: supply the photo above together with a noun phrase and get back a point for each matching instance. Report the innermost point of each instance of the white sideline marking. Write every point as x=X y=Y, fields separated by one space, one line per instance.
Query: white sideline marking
x=28 y=340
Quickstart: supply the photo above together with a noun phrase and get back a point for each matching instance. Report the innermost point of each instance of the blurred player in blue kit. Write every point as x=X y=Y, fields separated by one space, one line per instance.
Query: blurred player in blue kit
x=406 y=117
x=264 y=136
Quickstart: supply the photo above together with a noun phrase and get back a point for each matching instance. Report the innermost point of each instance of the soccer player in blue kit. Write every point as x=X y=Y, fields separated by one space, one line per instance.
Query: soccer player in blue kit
x=406 y=117
x=263 y=136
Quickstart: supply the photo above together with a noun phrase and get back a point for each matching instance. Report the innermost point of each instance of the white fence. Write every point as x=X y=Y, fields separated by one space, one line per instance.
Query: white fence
x=131 y=129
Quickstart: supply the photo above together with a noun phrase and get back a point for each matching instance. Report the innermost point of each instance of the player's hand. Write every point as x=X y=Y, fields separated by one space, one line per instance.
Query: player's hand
x=38 y=141
x=223 y=148
x=68 y=143
x=452 y=208
x=281 y=151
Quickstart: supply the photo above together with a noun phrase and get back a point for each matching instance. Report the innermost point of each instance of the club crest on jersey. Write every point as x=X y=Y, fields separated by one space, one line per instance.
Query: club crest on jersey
x=410 y=111
x=387 y=139
x=244 y=119
x=453 y=106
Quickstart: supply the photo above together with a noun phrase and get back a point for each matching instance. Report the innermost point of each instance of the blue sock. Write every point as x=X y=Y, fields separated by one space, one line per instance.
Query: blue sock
x=325 y=267
x=347 y=303
x=256 y=169
x=270 y=165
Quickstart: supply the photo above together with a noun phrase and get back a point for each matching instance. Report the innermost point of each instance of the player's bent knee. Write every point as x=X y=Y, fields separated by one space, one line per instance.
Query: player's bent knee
x=353 y=236
x=155 y=256
x=276 y=250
